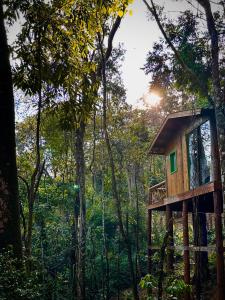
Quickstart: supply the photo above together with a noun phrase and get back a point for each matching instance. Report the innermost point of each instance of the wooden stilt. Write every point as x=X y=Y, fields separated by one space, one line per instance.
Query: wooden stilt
x=149 y=241
x=169 y=227
x=218 y=202
x=186 y=245
x=217 y=198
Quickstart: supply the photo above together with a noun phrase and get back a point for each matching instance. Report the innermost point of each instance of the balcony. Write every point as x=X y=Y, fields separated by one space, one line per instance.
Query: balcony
x=157 y=192
x=158 y=198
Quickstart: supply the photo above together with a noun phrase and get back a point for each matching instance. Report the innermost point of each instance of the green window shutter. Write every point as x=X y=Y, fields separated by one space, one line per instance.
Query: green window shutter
x=173 y=162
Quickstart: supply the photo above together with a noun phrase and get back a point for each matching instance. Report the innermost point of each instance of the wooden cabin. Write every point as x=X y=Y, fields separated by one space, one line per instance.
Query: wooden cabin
x=188 y=141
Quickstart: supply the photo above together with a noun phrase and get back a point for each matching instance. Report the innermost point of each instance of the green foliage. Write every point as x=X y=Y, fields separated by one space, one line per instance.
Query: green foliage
x=149 y=283
x=15 y=280
x=56 y=49
x=176 y=288
x=169 y=79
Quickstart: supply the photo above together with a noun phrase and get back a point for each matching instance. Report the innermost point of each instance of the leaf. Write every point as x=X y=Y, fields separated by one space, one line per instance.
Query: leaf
x=120 y=13
x=131 y=12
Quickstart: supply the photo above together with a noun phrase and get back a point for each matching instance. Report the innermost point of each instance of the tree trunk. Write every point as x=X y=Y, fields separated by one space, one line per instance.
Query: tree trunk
x=201 y=258
x=73 y=254
x=162 y=255
x=118 y=267
x=114 y=184
x=105 y=246
x=138 y=266
x=218 y=96
x=9 y=204
x=170 y=252
x=39 y=167
x=81 y=205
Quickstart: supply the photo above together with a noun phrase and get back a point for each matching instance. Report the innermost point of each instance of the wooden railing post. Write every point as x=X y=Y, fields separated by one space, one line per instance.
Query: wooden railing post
x=157 y=192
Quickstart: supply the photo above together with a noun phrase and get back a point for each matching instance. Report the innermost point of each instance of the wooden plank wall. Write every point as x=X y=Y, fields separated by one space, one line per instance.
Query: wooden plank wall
x=178 y=182
x=175 y=180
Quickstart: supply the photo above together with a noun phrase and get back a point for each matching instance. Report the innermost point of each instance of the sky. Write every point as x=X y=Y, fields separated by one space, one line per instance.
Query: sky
x=137 y=34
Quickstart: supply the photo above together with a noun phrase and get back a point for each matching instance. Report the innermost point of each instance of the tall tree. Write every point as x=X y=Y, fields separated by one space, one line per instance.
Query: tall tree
x=115 y=191
x=9 y=202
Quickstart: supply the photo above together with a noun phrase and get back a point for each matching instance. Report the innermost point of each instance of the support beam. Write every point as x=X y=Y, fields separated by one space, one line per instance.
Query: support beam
x=218 y=208
x=149 y=241
x=217 y=198
x=169 y=227
x=186 y=246
x=201 y=272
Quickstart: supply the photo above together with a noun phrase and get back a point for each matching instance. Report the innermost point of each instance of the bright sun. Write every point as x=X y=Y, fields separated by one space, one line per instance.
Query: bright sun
x=151 y=99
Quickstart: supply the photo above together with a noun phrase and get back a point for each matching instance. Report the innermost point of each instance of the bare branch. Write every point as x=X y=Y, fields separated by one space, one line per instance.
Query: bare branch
x=26 y=184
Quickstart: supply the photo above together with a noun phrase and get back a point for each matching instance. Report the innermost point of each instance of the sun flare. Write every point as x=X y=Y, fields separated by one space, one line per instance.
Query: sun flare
x=152 y=99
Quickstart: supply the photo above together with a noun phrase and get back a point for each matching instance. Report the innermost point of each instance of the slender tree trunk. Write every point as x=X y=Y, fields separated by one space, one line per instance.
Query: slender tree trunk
x=93 y=267
x=80 y=181
x=138 y=267
x=73 y=254
x=162 y=255
x=105 y=247
x=35 y=181
x=218 y=95
x=200 y=239
x=129 y=183
x=118 y=267
x=9 y=204
x=28 y=241
x=114 y=183
x=170 y=252
x=39 y=167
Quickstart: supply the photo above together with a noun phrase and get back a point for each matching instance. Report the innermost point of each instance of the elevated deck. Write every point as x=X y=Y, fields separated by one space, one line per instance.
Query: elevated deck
x=158 y=199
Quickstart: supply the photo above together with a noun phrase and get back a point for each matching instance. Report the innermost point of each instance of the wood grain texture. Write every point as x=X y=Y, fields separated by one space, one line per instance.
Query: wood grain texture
x=201 y=190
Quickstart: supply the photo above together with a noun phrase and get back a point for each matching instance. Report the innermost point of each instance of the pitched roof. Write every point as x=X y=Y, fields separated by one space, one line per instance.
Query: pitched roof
x=169 y=128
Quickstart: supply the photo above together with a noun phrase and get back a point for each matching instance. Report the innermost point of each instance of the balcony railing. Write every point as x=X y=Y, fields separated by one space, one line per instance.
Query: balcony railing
x=157 y=192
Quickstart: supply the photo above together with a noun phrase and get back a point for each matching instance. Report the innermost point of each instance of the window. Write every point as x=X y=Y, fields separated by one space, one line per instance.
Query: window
x=173 y=162
x=199 y=155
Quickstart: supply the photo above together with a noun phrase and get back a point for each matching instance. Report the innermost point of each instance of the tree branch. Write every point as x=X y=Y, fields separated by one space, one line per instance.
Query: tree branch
x=214 y=49
x=108 y=52
x=26 y=184
x=38 y=177
x=113 y=31
x=203 y=86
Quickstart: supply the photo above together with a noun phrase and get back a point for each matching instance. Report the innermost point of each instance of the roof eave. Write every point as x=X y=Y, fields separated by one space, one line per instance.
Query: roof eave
x=176 y=115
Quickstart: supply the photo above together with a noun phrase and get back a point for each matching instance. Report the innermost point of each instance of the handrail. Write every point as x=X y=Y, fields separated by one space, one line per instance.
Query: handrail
x=157 y=185
x=157 y=192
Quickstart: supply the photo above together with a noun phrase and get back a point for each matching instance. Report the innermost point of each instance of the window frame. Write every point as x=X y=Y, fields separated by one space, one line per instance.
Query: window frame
x=174 y=152
x=188 y=149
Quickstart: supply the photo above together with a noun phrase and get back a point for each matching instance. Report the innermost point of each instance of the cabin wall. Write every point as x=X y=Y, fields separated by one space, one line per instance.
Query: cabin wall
x=178 y=182
x=175 y=181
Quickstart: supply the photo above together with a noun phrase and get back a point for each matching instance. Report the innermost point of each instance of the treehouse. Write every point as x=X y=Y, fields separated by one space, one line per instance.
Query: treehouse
x=188 y=142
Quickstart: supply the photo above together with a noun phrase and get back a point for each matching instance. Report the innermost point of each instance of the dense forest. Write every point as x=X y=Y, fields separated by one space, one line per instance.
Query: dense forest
x=75 y=168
